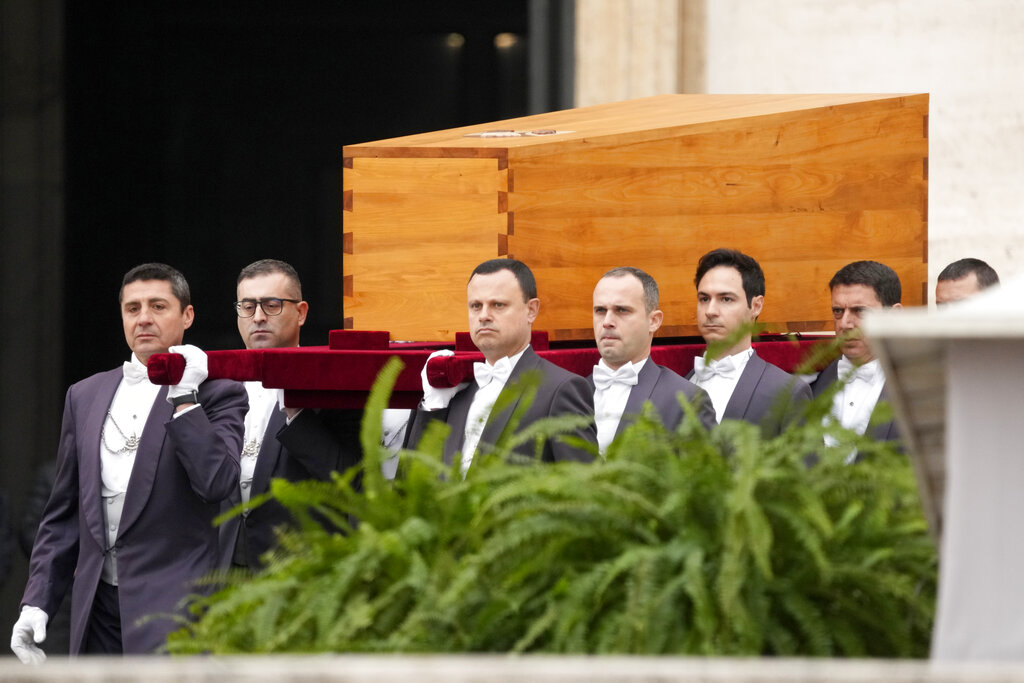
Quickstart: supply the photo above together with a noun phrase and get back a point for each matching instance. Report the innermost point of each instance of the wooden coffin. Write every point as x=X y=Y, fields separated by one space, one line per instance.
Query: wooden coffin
x=803 y=183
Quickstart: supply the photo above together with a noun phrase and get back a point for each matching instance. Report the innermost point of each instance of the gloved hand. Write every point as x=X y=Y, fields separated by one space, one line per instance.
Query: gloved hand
x=29 y=630
x=434 y=398
x=195 y=371
x=394 y=422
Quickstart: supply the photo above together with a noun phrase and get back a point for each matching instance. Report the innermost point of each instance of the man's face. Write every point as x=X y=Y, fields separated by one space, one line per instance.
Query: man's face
x=948 y=291
x=499 y=320
x=722 y=307
x=622 y=326
x=849 y=302
x=153 y=318
x=263 y=331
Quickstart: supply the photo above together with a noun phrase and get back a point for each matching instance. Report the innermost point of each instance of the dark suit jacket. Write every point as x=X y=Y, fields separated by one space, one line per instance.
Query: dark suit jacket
x=662 y=387
x=311 y=447
x=767 y=396
x=183 y=469
x=560 y=393
x=886 y=431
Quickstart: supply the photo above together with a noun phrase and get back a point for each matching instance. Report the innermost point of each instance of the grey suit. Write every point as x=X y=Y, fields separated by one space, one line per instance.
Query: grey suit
x=183 y=469
x=887 y=431
x=560 y=393
x=767 y=396
x=311 y=447
x=662 y=387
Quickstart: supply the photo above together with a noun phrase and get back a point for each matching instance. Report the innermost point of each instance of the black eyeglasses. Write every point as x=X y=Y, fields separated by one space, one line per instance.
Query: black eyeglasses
x=246 y=308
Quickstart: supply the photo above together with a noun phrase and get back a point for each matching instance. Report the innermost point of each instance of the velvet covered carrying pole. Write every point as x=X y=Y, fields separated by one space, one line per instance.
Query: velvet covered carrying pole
x=326 y=377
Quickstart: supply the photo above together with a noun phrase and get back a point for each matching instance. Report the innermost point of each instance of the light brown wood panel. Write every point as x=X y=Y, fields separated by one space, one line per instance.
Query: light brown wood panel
x=399 y=310
x=720 y=190
x=557 y=175
x=864 y=135
x=375 y=236
x=415 y=228
x=416 y=176
x=413 y=207
x=645 y=242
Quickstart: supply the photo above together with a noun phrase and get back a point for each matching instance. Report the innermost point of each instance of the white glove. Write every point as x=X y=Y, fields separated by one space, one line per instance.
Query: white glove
x=394 y=422
x=434 y=398
x=29 y=630
x=194 y=374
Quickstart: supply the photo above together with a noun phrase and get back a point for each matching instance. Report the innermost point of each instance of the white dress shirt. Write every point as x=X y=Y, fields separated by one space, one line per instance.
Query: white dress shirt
x=262 y=404
x=719 y=378
x=483 y=401
x=122 y=428
x=611 y=396
x=853 y=404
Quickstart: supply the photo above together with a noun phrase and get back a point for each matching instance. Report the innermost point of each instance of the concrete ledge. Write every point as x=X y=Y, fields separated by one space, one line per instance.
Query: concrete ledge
x=482 y=669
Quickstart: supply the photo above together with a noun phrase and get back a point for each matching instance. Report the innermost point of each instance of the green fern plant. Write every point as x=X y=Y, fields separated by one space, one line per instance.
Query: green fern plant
x=689 y=541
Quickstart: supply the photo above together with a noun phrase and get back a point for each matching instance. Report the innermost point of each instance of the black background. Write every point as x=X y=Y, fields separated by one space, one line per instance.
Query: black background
x=207 y=135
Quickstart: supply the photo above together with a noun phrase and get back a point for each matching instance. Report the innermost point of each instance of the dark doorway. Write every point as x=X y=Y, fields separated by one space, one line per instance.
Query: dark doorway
x=208 y=135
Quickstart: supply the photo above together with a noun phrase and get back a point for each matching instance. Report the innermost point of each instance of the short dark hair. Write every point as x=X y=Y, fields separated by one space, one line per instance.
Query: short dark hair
x=158 y=271
x=873 y=274
x=523 y=274
x=749 y=270
x=649 y=284
x=269 y=266
x=986 y=274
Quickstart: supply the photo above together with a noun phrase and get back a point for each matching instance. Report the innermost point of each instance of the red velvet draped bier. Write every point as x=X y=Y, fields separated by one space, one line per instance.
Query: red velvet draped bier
x=341 y=374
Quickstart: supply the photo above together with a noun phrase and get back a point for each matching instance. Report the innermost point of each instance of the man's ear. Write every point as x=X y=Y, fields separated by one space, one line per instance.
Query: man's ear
x=533 y=309
x=897 y=306
x=657 y=317
x=303 y=309
x=756 y=304
x=189 y=315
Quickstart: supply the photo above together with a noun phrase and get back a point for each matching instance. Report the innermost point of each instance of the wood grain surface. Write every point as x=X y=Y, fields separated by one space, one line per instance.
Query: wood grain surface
x=803 y=183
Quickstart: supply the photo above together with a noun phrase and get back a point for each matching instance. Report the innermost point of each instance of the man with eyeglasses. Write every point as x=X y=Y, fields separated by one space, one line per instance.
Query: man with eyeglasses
x=857 y=288
x=279 y=442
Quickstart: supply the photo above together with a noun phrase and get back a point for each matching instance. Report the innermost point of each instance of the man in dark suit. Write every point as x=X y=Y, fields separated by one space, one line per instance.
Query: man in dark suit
x=142 y=471
x=626 y=316
x=858 y=287
x=280 y=443
x=742 y=386
x=503 y=303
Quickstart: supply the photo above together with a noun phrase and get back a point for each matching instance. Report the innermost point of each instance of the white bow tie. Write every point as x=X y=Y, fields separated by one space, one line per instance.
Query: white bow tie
x=485 y=373
x=135 y=373
x=604 y=376
x=724 y=368
x=867 y=372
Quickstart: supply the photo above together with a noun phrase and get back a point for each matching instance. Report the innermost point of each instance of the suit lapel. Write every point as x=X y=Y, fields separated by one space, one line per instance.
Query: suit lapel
x=458 y=412
x=270 y=452
x=151 y=447
x=886 y=430
x=641 y=392
x=90 y=480
x=826 y=378
x=496 y=423
x=739 y=402
x=830 y=375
